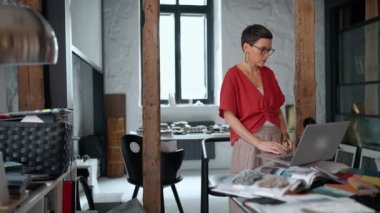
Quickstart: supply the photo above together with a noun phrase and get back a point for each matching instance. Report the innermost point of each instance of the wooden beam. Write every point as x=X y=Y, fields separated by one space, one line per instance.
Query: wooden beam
x=371 y=9
x=151 y=107
x=31 y=93
x=305 y=84
x=371 y=60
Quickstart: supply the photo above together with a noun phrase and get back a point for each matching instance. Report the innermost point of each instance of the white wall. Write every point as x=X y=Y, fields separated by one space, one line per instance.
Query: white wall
x=277 y=16
x=86 y=24
x=122 y=54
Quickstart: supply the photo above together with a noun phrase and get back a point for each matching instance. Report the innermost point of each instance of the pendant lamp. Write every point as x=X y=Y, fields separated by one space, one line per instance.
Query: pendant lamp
x=25 y=36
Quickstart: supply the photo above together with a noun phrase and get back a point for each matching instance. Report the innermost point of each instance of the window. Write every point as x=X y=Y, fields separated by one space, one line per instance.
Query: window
x=353 y=72
x=358 y=85
x=186 y=65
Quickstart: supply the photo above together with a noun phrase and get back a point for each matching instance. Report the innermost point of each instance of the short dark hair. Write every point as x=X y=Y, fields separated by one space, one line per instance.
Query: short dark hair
x=254 y=32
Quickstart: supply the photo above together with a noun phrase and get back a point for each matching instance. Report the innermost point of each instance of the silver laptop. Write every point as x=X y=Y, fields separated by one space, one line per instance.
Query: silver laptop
x=318 y=142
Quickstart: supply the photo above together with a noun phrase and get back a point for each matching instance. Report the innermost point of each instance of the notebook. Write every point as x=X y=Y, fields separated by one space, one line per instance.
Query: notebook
x=318 y=142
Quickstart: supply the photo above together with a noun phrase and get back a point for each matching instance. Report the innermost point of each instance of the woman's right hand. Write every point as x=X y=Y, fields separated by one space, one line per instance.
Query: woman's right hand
x=272 y=147
x=291 y=147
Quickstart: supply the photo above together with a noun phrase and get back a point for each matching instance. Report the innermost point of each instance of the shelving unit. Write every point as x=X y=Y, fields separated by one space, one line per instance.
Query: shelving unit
x=36 y=201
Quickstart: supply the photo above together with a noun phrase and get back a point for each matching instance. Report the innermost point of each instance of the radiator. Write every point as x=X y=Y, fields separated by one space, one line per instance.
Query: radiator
x=193 y=149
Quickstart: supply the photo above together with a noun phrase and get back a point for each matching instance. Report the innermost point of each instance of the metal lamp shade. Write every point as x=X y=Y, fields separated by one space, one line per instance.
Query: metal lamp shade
x=26 y=37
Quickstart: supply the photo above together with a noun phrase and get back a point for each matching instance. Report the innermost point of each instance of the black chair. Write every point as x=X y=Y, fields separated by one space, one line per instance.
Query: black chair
x=94 y=146
x=131 y=148
x=207 y=182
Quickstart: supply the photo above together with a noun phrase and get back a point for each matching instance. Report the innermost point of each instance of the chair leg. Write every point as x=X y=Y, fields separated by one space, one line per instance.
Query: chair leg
x=77 y=200
x=135 y=192
x=177 y=198
x=162 y=200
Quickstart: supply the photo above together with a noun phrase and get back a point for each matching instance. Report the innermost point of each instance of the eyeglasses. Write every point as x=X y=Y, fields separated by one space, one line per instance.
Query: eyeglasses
x=264 y=51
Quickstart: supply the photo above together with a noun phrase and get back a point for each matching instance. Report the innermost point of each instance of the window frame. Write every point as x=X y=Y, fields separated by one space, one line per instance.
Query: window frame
x=177 y=10
x=333 y=82
x=339 y=17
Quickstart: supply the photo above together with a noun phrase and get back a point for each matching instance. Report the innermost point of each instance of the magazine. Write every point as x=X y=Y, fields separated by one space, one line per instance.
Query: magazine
x=268 y=180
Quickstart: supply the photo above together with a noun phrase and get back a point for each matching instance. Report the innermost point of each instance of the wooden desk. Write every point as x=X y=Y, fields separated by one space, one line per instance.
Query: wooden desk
x=35 y=201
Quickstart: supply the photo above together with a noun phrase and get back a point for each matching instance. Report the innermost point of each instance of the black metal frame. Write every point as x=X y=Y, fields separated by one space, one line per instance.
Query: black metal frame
x=332 y=31
x=205 y=189
x=87 y=191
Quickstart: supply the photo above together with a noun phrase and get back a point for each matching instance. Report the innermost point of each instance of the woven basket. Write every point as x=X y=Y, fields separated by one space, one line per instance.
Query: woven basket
x=42 y=148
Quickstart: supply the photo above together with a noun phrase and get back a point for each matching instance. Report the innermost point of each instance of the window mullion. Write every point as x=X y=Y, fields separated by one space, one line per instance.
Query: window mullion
x=178 y=93
x=210 y=59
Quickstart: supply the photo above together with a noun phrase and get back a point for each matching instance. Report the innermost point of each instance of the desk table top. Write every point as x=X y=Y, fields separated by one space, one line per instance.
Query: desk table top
x=190 y=136
x=194 y=136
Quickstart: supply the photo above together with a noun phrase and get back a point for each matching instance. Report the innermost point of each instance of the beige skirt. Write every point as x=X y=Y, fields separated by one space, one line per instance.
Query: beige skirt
x=244 y=155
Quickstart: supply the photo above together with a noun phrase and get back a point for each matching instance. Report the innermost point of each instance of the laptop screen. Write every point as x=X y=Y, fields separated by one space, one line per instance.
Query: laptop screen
x=319 y=142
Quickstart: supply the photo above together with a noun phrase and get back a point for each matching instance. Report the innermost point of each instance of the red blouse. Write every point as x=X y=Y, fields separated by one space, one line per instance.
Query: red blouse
x=240 y=96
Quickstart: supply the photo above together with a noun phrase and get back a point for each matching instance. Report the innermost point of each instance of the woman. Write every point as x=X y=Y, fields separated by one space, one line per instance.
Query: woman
x=250 y=103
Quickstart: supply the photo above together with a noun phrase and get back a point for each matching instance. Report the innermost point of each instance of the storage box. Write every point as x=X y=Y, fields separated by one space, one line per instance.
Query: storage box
x=42 y=148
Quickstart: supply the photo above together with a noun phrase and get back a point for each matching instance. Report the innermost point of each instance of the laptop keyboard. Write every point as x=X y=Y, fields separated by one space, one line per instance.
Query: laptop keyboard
x=287 y=158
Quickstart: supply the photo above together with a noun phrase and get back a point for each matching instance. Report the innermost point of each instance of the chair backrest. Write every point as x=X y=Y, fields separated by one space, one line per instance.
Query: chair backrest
x=94 y=146
x=170 y=165
x=131 y=149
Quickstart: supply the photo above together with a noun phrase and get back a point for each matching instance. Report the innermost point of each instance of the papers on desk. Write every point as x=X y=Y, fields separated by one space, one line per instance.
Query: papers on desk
x=269 y=180
x=253 y=183
x=305 y=203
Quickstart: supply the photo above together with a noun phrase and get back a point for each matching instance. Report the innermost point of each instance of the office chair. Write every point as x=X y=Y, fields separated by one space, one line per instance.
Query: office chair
x=131 y=148
x=207 y=182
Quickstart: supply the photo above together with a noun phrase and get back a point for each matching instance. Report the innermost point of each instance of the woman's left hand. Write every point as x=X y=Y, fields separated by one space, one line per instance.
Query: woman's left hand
x=291 y=147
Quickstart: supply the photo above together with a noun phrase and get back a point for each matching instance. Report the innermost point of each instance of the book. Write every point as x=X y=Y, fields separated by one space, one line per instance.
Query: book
x=17 y=184
x=304 y=203
x=268 y=180
x=11 y=166
x=252 y=183
x=345 y=187
x=350 y=171
x=334 y=190
x=363 y=181
x=370 y=177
